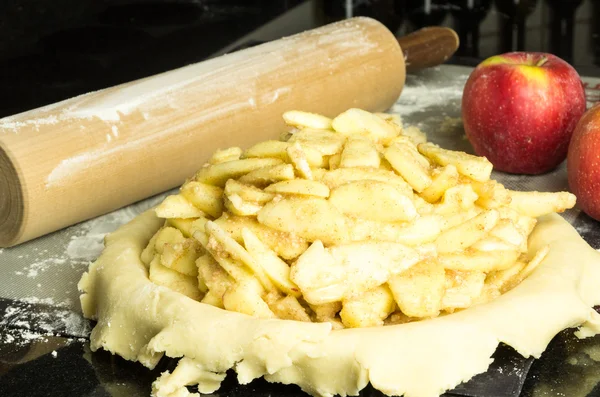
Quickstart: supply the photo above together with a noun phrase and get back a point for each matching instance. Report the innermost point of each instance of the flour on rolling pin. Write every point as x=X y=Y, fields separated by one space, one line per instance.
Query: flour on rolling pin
x=139 y=95
x=92 y=154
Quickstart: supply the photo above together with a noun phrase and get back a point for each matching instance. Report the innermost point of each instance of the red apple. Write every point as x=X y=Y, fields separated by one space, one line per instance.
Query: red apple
x=520 y=109
x=583 y=162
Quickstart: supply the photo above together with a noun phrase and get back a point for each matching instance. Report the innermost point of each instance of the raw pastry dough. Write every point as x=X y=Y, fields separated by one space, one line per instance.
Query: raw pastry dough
x=141 y=321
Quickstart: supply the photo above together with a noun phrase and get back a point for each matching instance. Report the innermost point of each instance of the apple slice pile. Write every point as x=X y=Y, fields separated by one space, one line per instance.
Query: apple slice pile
x=349 y=221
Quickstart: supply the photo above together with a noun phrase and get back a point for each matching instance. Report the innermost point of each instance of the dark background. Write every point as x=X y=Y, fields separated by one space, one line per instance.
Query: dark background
x=55 y=49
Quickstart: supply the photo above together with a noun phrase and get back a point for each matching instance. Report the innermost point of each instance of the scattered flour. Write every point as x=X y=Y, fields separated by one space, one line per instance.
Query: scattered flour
x=35 y=319
x=43 y=301
x=22 y=337
x=9 y=311
x=58 y=317
x=34 y=269
x=585 y=227
x=89 y=242
x=66 y=166
x=8 y=123
x=86 y=242
x=419 y=98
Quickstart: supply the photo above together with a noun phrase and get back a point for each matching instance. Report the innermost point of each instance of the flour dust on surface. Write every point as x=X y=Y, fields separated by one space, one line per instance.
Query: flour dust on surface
x=42 y=300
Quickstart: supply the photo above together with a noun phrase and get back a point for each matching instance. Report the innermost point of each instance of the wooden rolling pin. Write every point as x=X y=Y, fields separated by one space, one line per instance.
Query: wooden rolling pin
x=86 y=156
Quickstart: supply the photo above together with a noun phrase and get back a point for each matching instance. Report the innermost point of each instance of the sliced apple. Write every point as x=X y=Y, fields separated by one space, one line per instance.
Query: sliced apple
x=275 y=268
x=177 y=206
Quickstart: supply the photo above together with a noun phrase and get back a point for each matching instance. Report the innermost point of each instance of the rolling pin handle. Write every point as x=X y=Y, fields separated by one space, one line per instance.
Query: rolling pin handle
x=427 y=47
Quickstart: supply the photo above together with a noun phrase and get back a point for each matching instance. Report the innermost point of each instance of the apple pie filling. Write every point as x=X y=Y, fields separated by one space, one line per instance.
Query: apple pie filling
x=357 y=221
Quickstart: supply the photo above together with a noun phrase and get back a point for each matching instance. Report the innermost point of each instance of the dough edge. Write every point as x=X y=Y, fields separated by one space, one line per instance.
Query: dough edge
x=141 y=321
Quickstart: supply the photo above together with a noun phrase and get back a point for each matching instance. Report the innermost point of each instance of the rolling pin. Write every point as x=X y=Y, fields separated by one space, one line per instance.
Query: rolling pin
x=92 y=154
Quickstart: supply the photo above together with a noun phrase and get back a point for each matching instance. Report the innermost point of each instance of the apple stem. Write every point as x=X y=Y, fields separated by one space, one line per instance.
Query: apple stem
x=542 y=61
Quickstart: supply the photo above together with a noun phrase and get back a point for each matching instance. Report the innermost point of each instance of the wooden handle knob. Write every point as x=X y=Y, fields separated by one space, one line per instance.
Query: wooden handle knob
x=428 y=47
x=90 y=155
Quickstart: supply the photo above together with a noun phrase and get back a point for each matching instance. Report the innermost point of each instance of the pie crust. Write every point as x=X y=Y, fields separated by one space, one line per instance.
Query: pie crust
x=141 y=321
